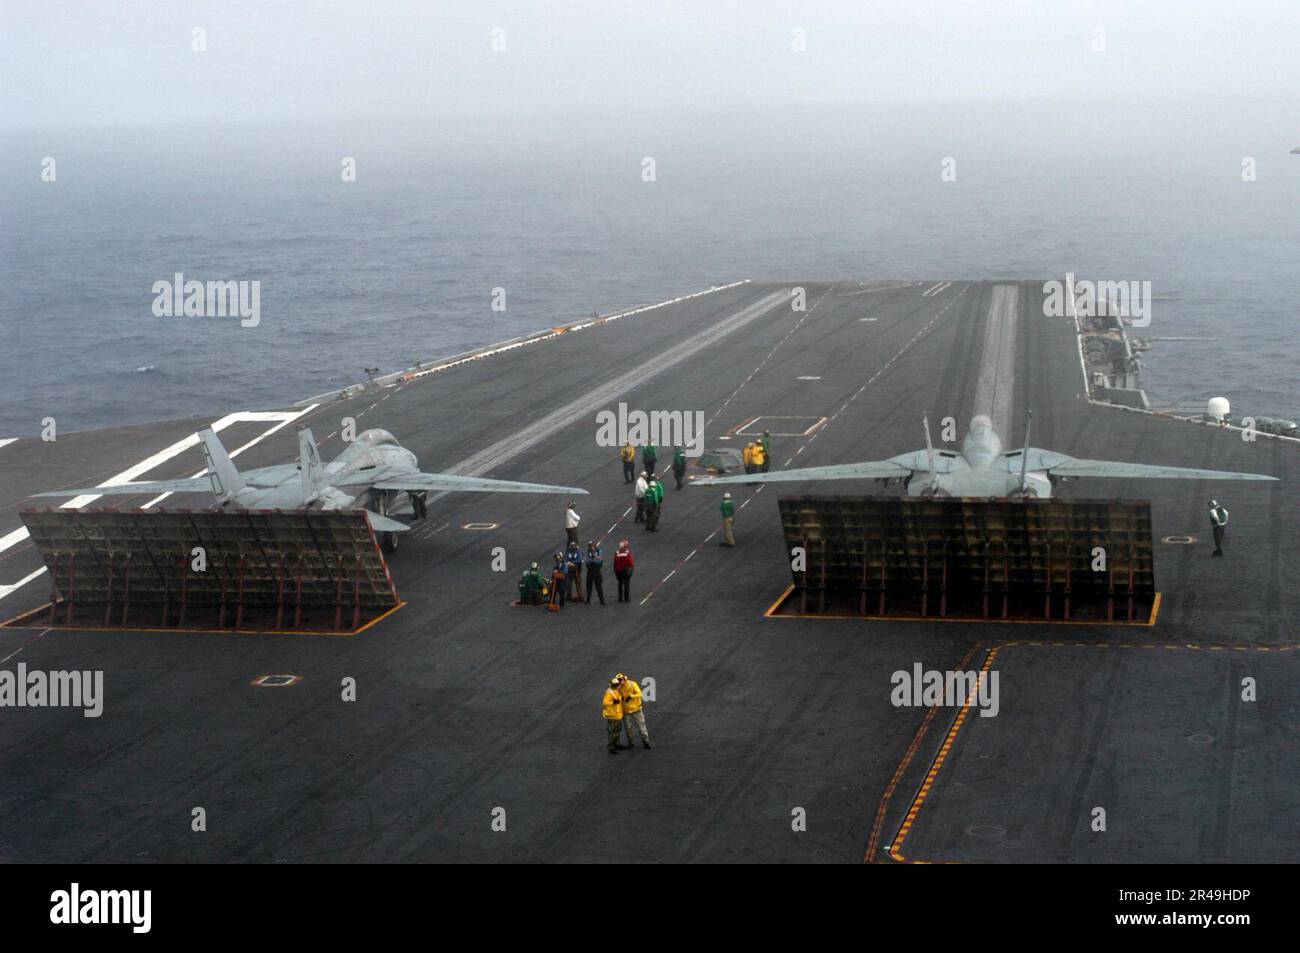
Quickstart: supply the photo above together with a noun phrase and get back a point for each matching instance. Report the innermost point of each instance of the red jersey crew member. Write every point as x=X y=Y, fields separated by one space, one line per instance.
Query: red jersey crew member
x=624 y=563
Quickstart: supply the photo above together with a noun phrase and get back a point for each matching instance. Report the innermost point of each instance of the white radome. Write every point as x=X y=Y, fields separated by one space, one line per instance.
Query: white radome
x=1218 y=408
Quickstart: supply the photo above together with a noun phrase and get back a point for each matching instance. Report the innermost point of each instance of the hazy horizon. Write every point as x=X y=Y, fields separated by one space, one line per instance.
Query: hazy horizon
x=120 y=63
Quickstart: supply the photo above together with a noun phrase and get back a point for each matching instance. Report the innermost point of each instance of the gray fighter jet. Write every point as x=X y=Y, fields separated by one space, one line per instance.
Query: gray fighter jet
x=372 y=473
x=981 y=469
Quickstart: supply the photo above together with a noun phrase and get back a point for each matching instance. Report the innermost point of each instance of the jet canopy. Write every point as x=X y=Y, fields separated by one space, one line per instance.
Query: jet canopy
x=376 y=437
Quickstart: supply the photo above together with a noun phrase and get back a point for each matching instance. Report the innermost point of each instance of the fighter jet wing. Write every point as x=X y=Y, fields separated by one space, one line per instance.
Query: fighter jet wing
x=385 y=525
x=1072 y=467
x=876 y=469
x=918 y=461
x=464 y=484
x=198 y=485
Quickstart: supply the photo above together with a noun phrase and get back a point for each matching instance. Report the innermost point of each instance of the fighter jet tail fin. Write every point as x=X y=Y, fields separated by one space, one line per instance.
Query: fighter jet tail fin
x=311 y=470
x=929 y=453
x=226 y=481
x=1024 y=457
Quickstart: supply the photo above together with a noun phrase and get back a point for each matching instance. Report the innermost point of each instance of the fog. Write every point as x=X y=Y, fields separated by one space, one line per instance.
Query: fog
x=100 y=62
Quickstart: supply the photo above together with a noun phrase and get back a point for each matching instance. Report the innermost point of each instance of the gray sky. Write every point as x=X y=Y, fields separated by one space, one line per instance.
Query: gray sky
x=77 y=62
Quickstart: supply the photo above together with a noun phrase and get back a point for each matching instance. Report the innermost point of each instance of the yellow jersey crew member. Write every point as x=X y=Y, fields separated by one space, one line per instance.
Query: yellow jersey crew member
x=633 y=716
x=612 y=708
x=628 y=456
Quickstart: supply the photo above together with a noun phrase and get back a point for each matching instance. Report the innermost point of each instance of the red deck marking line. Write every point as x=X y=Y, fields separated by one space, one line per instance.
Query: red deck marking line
x=21 y=647
x=883 y=807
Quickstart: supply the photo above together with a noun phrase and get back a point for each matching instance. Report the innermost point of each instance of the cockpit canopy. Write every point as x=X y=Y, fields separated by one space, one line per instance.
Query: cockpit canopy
x=376 y=437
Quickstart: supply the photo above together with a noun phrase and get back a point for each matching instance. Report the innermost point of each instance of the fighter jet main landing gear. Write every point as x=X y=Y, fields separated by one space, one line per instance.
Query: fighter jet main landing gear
x=387 y=541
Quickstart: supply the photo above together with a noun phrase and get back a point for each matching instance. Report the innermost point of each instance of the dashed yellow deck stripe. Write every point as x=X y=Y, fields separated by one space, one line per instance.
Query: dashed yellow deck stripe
x=914 y=810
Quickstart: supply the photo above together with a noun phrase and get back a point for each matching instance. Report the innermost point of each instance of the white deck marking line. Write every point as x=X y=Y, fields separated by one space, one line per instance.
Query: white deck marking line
x=995 y=386
x=23 y=646
x=126 y=476
x=5 y=590
x=424 y=532
x=523 y=440
x=752 y=420
x=867 y=291
x=764 y=361
x=5 y=441
x=413 y=373
x=874 y=377
x=13 y=539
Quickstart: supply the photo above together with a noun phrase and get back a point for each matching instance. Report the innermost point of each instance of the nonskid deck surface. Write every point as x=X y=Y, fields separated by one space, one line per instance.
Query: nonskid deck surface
x=464 y=704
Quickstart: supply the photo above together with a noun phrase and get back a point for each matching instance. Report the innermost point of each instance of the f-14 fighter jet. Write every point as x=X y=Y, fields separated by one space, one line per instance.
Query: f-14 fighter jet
x=371 y=473
x=981 y=469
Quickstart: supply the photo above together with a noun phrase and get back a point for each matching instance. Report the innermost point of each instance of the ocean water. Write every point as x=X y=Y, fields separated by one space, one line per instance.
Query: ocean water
x=400 y=265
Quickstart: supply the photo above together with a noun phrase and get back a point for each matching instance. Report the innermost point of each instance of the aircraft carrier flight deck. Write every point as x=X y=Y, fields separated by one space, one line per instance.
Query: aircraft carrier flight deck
x=466 y=703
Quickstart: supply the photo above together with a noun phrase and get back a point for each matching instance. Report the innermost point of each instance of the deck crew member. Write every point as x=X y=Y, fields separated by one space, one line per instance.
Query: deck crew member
x=765 y=442
x=641 y=485
x=633 y=716
x=624 y=563
x=559 y=583
x=419 y=505
x=595 y=563
x=571 y=521
x=654 y=503
x=649 y=457
x=532 y=586
x=679 y=465
x=728 y=520
x=759 y=458
x=628 y=456
x=573 y=571
x=611 y=706
x=747 y=455
x=1218 y=520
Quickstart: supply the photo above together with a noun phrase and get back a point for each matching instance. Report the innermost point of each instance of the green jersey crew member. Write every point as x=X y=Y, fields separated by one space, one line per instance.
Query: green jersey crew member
x=532 y=586
x=1218 y=520
x=654 y=501
x=650 y=456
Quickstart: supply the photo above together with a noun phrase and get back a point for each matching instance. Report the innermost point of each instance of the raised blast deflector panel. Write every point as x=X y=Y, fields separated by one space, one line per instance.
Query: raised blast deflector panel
x=227 y=569
x=905 y=557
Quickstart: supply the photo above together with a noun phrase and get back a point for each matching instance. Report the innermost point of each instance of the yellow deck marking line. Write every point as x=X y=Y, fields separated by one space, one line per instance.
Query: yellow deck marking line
x=895 y=847
x=883 y=807
x=771 y=613
x=8 y=624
